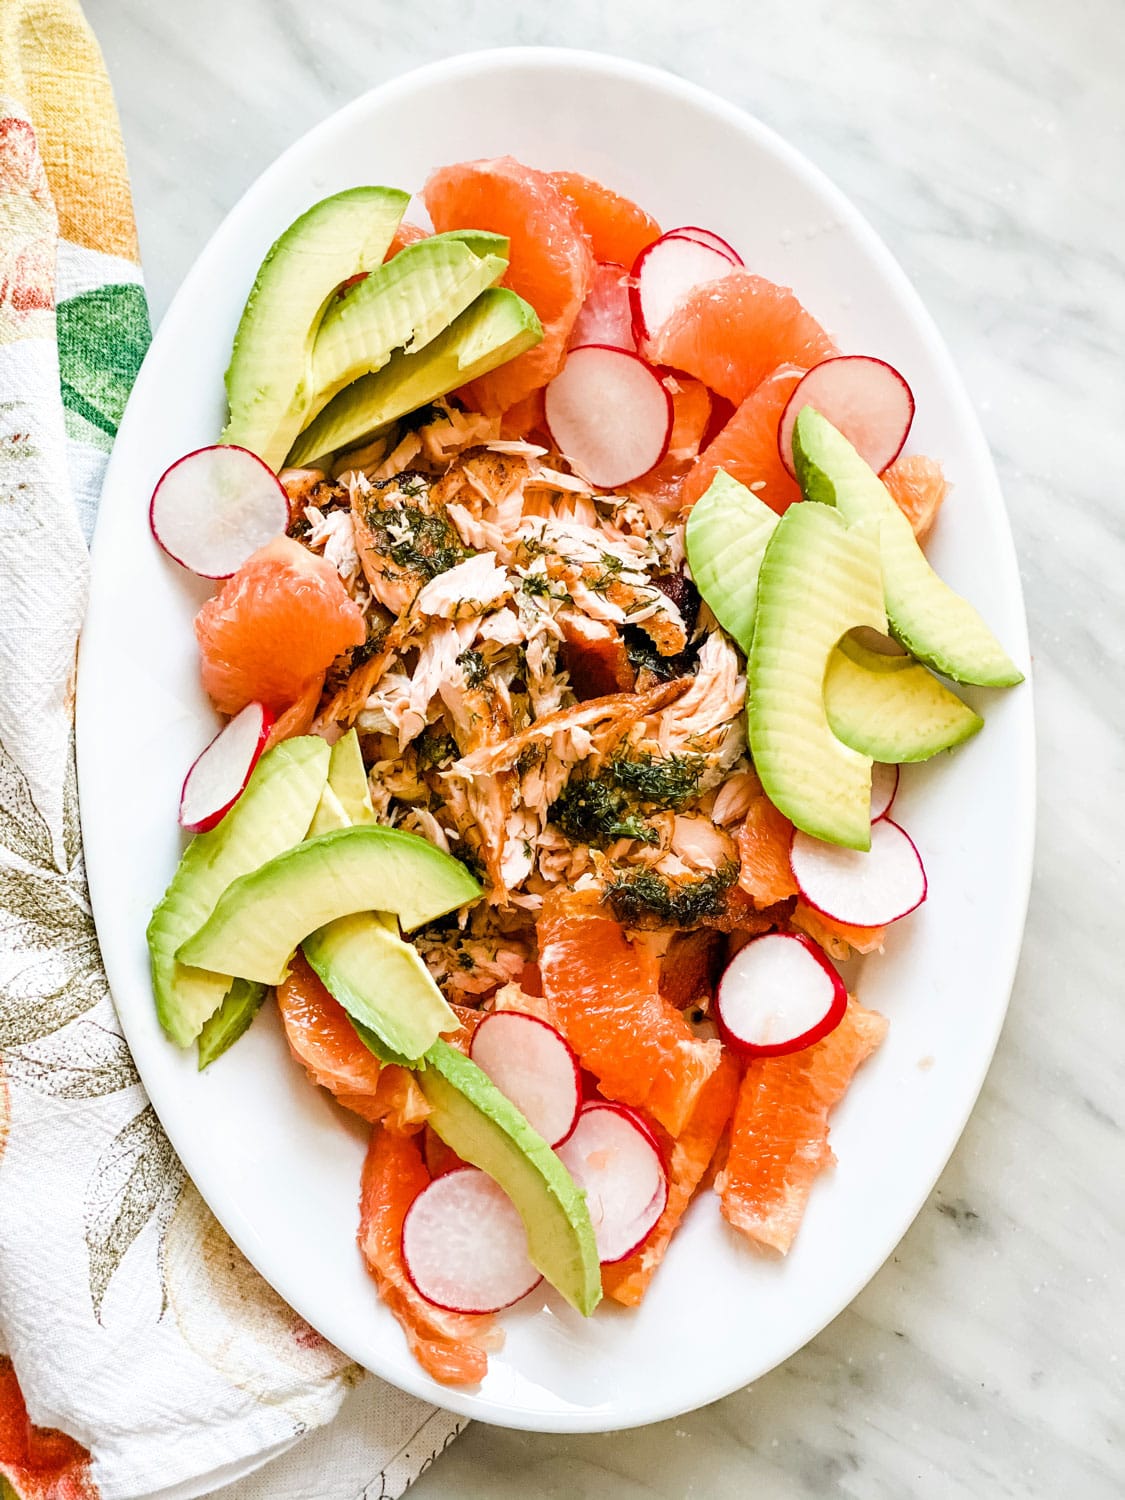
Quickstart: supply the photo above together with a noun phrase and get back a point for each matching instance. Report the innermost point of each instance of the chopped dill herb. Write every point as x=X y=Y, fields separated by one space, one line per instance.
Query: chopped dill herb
x=474 y=666
x=431 y=544
x=670 y=781
x=538 y=586
x=612 y=567
x=591 y=810
x=639 y=895
x=436 y=749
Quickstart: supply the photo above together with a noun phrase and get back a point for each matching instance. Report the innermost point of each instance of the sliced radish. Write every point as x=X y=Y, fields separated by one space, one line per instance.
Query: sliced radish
x=778 y=994
x=534 y=1067
x=884 y=788
x=219 y=773
x=709 y=238
x=608 y=412
x=665 y=273
x=613 y=1156
x=464 y=1245
x=861 y=889
x=216 y=506
x=606 y=316
x=866 y=398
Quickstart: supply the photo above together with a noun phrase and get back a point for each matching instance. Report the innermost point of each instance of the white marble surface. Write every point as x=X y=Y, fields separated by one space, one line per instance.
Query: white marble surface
x=986 y=141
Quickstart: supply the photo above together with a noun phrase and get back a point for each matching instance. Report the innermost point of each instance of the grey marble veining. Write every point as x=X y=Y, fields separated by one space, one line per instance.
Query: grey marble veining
x=986 y=141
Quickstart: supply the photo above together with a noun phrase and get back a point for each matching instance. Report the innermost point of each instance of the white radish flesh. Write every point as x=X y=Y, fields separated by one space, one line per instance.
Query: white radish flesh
x=220 y=772
x=861 y=889
x=608 y=412
x=709 y=238
x=778 y=994
x=464 y=1245
x=865 y=398
x=665 y=273
x=884 y=789
x=614 y=1159
x=215 y=507
x=606 y=316
x=534 y=1067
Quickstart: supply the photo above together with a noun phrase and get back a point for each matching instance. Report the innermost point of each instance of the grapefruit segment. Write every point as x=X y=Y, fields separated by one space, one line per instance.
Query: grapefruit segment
x=451 y=1347
x=279 y=622
x=763 y=852
x=604 y=996
x=746 y=447
x=838 y=939
x=688 y=1157
x=550 y=262
x=918 y=487
x=298 y=717
x=779 y=1138
x=406 y=234
x=618 y=229
x=325 y=1043
x=732 y=332
x=691 y=415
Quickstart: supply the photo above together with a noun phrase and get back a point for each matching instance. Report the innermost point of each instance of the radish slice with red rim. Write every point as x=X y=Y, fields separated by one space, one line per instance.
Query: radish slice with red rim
x=664 y=273
x=865 y=398
x=614 y=1158
x=219 y=773
x=609 y=414
x=778 y=994
x=709 y=238
x=464 y=1245
x=212 y=508
x=884 y=789
x=533 y=1066
x=860 y=889
x=606 y=316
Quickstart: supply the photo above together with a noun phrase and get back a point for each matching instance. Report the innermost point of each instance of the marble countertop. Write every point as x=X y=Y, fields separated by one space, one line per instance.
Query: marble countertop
x=985 y=139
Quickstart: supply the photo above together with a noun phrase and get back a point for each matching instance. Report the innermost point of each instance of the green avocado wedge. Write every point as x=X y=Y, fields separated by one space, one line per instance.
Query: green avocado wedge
x=891 y=707
x=726 y=535
x=404 y=304
x=260 y=920
x=360 y=959
x=231 y=1020
x=381 y=982
x=476 y=1120
x=819 y=579
x=934 y=624
x=272 y=814
x=267 y=379
x=494 y=329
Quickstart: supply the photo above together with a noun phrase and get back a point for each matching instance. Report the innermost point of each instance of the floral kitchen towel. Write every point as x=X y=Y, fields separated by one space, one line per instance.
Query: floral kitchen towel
x=144 y=1355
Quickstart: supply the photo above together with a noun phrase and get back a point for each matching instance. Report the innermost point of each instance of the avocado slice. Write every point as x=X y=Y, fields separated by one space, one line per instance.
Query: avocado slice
x=891 y=707
x=381 y=982
x=272 y=815
x=269 y=365
x=261 y=918
x=494 y=329
x=888 y=707
x=727 y=530
x=474 y=1118
x=819 y=579
x=932 y=622
x=230 y=1021
x=347 y=776
x=404 y=304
